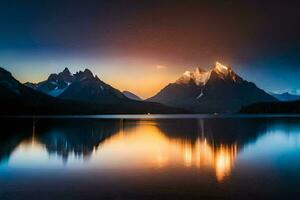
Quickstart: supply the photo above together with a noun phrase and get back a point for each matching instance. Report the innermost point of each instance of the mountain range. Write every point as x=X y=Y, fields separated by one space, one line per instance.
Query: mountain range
x=81 y=86
x=81 y=93
x=285 y=96
x=73 y=86
x=219 y=90
x=55 y=84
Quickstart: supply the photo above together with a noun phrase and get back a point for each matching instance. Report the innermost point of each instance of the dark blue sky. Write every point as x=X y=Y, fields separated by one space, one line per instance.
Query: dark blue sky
x=132 y=37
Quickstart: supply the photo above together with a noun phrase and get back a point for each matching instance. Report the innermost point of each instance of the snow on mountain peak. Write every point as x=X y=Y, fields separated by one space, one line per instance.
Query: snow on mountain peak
x=199 y=76
x=219 y=68
x=187 y=73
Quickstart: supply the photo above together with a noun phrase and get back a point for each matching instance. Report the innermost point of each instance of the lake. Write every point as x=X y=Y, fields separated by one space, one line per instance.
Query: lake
x=157 y=157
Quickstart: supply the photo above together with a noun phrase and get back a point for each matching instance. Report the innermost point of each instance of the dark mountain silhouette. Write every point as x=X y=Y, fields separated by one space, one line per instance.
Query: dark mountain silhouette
x=89 y=88
x=218 y=90
x=291 y=107
x=79 y=136
x=286 y=96
x=63 y=137
x=81 y=86
x=13 y=131
x=16 y=98
x=216 y=130
x=132 y=96
x=55 y=84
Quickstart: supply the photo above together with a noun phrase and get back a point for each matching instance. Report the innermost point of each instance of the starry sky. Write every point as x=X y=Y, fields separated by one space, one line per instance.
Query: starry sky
x=140 y=45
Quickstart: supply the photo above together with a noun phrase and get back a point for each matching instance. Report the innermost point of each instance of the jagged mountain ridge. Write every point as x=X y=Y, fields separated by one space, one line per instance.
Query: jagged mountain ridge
x=87 y=87
x=10 y=89
x=18 y=99
x=55 y=84
x=219 y=90
x=81 y=86
x=285 y=96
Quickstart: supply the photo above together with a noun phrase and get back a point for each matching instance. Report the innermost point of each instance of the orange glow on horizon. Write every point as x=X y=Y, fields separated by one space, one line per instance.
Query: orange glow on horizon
x=144 y=82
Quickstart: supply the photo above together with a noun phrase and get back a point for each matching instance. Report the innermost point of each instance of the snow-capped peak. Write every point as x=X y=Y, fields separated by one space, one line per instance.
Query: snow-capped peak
x=199 y=76
x=219 y=68
x=187 y=74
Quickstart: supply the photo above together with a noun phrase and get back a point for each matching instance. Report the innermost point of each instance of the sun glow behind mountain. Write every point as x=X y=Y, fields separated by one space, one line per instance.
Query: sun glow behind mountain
x=151 y=41
x=143 y=77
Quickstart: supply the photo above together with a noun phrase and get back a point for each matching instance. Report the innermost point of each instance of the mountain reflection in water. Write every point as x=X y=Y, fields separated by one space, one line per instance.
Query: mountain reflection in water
x=150 y=157
x=122 y=144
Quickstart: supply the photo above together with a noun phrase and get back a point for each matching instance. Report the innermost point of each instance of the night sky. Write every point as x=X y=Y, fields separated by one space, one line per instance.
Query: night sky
x=143 y=45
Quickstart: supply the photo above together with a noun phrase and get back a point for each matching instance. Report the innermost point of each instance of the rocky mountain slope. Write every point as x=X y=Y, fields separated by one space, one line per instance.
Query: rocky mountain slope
x=218 y=90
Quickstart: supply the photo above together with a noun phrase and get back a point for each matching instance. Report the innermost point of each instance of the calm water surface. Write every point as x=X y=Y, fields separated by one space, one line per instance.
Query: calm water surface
x=148 y=158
